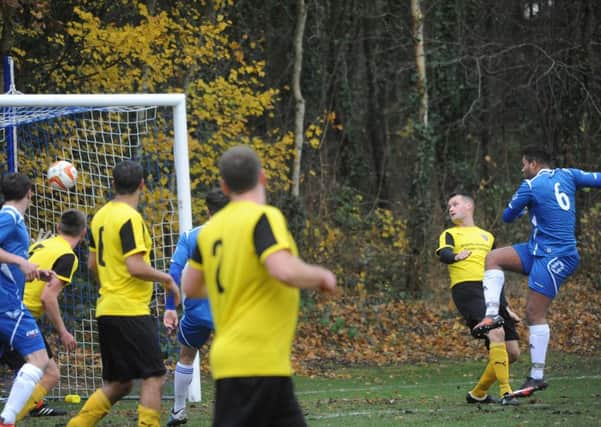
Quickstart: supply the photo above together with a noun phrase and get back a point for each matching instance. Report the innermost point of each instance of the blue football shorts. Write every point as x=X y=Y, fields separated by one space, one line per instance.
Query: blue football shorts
x=19 y=331
x=194 y=330
x=546 y=274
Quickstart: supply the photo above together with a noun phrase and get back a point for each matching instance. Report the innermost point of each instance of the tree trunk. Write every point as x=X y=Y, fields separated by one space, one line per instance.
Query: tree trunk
x=419 y=223
x=420 y=60
x=374 y=124
x=301 y=19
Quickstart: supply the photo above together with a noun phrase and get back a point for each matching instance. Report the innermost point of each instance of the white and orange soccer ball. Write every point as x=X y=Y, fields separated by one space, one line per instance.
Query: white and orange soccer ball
x=62 y=175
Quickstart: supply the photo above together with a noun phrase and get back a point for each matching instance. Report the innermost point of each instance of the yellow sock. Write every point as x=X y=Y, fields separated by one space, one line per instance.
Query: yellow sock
x=148 y=417
x=97 y=406
x=38 y=394
x=500 y=360
x=487 y=379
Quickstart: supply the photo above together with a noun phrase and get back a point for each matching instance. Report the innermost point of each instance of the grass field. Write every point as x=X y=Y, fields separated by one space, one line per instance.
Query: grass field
x=417 y=395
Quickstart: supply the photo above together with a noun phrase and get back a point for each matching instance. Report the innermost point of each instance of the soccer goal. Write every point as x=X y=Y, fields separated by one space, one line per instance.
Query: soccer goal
x=95 y=132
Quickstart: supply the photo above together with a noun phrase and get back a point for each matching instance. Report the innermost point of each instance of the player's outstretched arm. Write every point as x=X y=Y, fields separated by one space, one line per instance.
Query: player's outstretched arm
x=175 y=271
x=49 y=299
x=586 y=179
x=294 y=272
x=30 y=270
x=516 y=207
x=139 y=268
x=170 y=319
x=176 y=267
x=447 y=256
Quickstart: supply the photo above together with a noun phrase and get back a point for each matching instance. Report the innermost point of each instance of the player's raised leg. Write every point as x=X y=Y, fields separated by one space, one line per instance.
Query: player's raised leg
x=497 y=260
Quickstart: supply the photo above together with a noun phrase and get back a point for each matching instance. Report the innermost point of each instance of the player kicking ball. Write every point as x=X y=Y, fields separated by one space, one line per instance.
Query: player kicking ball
x=550 y=256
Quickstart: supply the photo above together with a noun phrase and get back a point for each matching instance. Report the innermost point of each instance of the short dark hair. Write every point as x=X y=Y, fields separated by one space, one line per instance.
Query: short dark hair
x=534 y=152
x=72 y=222
x=216 y=200
x=240 y=167
x=15 y=186
x=462 y=194
x=127 y=176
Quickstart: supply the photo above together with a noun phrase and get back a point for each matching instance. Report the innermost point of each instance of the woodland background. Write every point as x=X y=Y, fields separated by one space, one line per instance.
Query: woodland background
x=385 y=132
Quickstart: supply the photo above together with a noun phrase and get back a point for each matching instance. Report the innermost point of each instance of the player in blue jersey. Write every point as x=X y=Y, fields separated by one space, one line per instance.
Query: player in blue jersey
x=197 y=323
x=18 y=329
x=550 y=256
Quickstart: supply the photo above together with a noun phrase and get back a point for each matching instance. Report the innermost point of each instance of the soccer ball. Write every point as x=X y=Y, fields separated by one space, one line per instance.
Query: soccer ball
x=62 y=175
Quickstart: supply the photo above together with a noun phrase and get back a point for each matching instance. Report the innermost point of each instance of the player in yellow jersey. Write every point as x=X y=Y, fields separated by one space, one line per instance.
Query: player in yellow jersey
x=56 y=254
x=464 y=247
x=247 y=262
x=120 y=247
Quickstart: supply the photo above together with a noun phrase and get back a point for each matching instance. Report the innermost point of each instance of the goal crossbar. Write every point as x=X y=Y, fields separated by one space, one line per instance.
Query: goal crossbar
x=175 y=100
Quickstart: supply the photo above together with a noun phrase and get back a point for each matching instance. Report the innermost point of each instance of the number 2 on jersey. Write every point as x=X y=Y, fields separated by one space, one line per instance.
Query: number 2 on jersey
x=216 y=246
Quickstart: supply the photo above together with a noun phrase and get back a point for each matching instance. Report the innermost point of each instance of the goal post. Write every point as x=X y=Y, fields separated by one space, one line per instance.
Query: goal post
x=95 y=131
x=15 y=103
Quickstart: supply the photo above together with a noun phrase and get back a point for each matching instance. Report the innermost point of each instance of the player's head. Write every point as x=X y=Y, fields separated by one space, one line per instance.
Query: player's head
x=72 y=223
x=240 y=169
x=15 y=186
x=461 y=208
x=127 y=176
x=216 y=200
x=534 y=158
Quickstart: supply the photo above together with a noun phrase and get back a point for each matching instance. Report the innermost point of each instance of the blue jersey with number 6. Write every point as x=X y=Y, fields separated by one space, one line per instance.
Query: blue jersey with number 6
x=550 y=200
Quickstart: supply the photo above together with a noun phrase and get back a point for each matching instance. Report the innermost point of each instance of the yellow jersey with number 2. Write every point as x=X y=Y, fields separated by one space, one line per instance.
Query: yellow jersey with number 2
x=255 y=315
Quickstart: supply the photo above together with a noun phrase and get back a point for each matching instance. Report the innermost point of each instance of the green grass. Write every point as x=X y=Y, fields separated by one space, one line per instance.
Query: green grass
x=418 y=395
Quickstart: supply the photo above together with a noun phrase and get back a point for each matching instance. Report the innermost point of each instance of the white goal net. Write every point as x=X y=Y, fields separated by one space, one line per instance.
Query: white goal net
x=95 y=132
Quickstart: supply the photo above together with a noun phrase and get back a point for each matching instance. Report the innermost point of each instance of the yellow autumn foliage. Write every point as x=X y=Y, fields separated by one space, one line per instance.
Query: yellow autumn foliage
x=184 y=47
